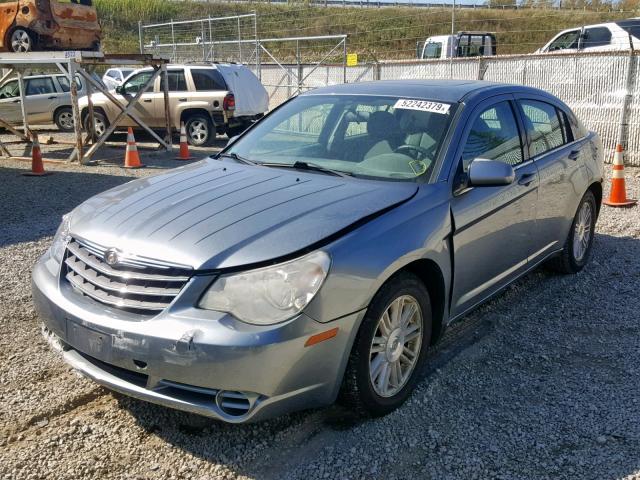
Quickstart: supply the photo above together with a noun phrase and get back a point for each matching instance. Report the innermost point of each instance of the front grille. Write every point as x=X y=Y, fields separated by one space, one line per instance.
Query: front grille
x=133 y=284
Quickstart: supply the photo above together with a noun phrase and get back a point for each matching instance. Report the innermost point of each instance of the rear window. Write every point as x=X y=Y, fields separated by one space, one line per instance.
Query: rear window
x=630 y=26
x=64 y=83
x=208 y=80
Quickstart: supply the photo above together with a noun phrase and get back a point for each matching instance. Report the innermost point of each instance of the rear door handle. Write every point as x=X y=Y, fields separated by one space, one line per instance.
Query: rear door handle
x=16 y=101
x=182 y=99
x=526 y=179
x=147 y=100
x=574 y=155
x=52 y=97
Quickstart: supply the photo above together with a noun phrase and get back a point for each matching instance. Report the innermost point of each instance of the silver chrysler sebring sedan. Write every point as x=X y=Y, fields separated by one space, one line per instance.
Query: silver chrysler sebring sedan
x=323 y=252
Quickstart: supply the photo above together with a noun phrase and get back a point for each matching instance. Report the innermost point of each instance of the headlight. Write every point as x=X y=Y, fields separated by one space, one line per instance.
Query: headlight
x=60 y=239
x=269 y=295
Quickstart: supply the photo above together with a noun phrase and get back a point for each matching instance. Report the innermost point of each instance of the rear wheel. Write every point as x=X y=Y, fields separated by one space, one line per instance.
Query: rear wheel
x=577 y=248
x=64 y=119
x=389 y=350
x=200 y=131
x=21 y=41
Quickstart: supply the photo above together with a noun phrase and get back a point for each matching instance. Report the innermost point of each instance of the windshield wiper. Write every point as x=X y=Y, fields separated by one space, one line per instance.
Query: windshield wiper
x=238 y=158
x=313 y=167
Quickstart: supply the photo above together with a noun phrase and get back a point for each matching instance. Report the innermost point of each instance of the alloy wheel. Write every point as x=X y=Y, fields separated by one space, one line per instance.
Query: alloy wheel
x=198 y=132
x=395 y=347
x=21 y=41
x=582 y=231
x=66 y=120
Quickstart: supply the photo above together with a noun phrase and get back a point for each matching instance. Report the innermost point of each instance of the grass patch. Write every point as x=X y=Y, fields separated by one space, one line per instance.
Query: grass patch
x=382 y=33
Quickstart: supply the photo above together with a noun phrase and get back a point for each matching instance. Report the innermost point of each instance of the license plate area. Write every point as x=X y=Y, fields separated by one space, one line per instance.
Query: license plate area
x=89 y=341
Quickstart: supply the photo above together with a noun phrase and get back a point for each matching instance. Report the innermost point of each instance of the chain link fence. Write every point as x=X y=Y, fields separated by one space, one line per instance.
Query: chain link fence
x=602 y=89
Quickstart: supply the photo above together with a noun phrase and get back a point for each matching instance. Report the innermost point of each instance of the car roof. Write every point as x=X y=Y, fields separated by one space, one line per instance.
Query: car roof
x=449 y=91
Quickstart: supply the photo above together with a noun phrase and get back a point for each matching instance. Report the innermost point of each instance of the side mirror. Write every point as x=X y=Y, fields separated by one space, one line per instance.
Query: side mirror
x=120 y=90
x=232 y=140
x=490 y=173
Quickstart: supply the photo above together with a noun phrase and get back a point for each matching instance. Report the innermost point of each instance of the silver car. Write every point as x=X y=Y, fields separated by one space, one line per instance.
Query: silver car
x=47 y=100
x=324 y=251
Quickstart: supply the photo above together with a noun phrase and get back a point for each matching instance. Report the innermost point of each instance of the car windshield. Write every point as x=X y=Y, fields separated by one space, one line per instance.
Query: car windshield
x=369 y=136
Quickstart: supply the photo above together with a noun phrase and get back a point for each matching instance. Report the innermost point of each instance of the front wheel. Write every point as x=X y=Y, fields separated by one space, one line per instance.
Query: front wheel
x=389 y=350
x=100 y=124
x=577 y=248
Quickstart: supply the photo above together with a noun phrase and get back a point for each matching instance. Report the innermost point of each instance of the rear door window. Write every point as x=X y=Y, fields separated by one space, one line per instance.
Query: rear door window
x=494 y=136
x=39 y=86
x=596 y=37
x=543 y=125
x=208 y=80
x=177 y=81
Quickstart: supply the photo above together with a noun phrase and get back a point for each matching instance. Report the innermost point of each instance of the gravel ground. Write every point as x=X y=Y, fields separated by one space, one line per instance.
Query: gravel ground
x=540 y=383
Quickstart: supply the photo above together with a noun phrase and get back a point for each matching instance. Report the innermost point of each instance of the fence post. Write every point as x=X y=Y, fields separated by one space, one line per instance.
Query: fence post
x=632 y=66
x=140 y=36
x=482 y=67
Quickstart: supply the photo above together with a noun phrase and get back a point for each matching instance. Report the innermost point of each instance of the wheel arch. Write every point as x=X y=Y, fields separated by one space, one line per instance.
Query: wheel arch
x=191 y=111
x=430 y=273
x=35 y=36
x=596 y=189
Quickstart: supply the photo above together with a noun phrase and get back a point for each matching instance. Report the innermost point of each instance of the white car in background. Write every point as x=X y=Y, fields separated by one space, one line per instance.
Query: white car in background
x=602 y=37
x=114 y=77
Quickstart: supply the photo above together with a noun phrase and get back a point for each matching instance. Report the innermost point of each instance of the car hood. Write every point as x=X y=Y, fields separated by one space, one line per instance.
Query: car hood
x=214 y=214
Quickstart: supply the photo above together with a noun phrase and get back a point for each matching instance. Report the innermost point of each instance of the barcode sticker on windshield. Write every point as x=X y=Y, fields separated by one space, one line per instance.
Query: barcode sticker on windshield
x=423 y=106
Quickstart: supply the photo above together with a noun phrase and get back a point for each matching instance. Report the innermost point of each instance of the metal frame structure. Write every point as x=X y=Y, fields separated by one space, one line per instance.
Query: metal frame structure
x=201 y=34
x=300 y=76
x=81 y=63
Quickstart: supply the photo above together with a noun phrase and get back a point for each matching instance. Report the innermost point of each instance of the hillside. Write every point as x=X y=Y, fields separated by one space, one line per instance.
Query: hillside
x=381 y=33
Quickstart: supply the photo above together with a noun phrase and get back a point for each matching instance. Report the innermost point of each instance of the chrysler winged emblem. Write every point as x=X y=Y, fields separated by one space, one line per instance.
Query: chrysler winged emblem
x=111 y=257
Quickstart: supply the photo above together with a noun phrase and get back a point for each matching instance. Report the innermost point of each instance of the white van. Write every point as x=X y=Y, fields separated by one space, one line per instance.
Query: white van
x=602 y=37
x=463 y=44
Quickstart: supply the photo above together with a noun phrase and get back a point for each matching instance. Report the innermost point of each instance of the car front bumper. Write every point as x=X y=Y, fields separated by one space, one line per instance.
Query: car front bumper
x=195 y=360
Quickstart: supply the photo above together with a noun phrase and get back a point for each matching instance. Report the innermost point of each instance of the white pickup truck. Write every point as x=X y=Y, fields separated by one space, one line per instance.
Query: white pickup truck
x=462 y=44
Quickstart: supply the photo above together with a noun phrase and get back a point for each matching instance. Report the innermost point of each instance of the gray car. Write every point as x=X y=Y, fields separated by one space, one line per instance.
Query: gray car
x=324 y=251
x=47 y=100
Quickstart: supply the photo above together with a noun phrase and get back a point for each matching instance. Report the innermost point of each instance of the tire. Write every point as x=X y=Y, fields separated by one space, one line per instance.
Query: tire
x=361 y=387
x=577 y=250
x=200 y=131
x=63 y=119
x=21 y=41
x=100 y=121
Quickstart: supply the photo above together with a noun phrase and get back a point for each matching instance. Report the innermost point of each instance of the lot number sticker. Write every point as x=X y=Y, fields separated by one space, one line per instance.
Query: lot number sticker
x=423 y=106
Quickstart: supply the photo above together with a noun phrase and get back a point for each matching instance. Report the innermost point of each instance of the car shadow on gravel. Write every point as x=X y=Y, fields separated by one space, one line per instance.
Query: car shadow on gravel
x=527 y=376
x=33 y=206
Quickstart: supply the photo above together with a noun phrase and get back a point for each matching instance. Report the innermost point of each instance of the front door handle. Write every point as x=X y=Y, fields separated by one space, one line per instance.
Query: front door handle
x=147 y=100
x=574 y=155
x=16 y=101
x=526 y=179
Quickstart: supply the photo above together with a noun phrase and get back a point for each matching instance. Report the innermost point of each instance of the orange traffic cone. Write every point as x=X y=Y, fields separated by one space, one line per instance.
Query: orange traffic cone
x=184 y=146
x=37 y=167
x=131 y=157
x=618 y=195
